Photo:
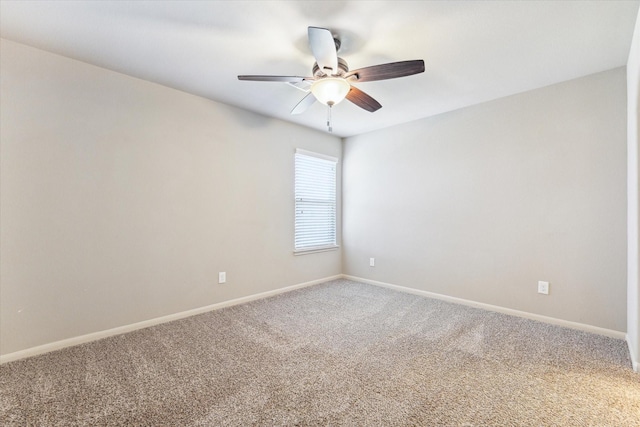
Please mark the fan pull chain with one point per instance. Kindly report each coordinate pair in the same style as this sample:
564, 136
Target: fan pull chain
329, 128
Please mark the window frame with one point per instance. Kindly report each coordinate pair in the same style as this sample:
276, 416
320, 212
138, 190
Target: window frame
301, 250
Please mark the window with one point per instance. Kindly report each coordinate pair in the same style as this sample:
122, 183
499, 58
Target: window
315, 202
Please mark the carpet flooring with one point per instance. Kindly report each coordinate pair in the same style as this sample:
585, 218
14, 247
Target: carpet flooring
339, 353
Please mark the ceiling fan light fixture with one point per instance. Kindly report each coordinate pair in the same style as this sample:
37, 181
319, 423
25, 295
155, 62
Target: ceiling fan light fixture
331, 81
330, 90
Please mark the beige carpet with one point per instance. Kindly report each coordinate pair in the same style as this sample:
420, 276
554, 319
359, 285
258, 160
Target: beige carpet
340, 353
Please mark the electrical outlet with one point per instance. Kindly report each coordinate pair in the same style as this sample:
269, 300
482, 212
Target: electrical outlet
222, 277
372, 262
543, 287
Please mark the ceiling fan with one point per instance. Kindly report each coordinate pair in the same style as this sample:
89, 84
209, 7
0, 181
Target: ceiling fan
332, 80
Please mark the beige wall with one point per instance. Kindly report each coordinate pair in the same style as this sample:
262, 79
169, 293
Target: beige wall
633, 199
121, 200
483, 202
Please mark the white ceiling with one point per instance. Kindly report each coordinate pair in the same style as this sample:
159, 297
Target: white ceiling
474, 51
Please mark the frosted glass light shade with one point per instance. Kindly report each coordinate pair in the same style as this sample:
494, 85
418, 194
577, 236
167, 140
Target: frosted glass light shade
330, 90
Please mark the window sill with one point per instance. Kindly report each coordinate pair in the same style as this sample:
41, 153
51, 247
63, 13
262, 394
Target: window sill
315, 250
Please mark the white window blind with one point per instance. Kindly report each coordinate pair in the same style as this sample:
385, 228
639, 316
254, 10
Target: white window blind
315, 201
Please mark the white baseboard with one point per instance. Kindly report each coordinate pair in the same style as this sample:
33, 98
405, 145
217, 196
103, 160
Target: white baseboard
498, 309
57, 345
634, 356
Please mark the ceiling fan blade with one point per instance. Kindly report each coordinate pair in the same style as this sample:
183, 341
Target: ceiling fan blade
305, 103
387, 71
324, 49
286, 79
363, 100
304, 86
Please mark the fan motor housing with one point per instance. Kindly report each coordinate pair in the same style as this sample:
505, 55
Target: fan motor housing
342, 69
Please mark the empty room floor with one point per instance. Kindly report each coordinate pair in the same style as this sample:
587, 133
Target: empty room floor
338, 353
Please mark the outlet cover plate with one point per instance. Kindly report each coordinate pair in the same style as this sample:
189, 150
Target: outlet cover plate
222, 277
543, 288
